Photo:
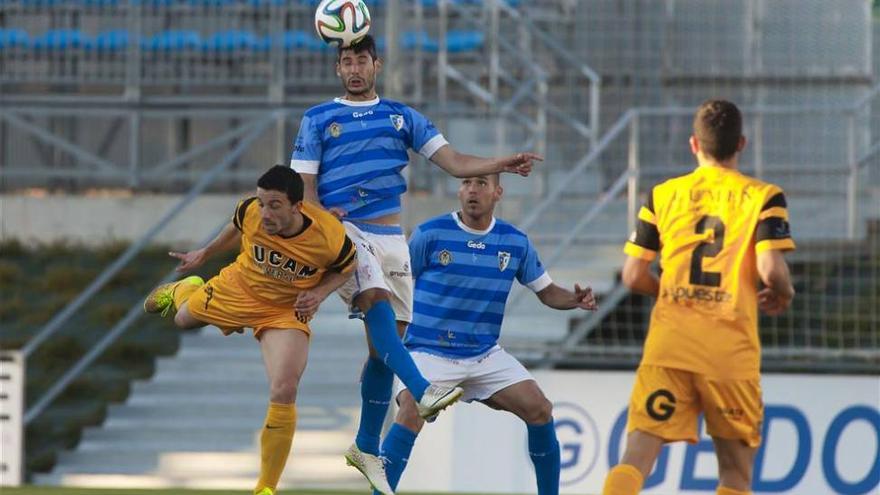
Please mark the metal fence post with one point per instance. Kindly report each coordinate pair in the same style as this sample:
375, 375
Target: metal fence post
632, 165
852, 180
12, 379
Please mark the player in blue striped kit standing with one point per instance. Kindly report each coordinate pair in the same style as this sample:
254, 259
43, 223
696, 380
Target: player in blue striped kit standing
350, 152
464, 264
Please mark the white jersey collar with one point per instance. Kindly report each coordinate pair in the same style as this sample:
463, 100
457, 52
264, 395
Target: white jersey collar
350, 103
470, 230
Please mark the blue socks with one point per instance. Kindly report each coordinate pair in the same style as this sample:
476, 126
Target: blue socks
376, 383
544, 451
382, 328
396, 449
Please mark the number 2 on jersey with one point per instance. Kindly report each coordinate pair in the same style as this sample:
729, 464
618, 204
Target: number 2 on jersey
707, 249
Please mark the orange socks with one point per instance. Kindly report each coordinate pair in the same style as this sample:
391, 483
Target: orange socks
723, 490
623, 480
275, 442
182, 291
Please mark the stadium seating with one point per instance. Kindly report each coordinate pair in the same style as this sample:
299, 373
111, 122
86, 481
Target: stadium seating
13, 38
61, 39
111, 41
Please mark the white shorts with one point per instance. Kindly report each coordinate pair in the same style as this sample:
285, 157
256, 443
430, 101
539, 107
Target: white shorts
383, 263
480, 377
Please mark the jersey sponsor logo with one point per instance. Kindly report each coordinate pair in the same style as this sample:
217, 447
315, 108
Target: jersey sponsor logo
359, 115
278, 266
661, 405
396, 121
335, 129
698, 294
476, 245
445, 257
503, 260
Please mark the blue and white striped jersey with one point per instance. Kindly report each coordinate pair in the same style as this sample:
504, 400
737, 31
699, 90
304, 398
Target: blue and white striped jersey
358, 150
462, 279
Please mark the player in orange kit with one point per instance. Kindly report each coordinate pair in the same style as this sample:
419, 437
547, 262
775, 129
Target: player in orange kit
719, 233
293, 255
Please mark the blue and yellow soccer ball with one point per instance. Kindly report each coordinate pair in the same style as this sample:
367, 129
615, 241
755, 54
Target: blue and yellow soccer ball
342, 22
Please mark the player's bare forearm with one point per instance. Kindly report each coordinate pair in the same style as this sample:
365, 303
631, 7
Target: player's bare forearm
228, 239
557, 297
310, 188
462, 165
331, 281
310, 194
774, 273
225, 240
638, 277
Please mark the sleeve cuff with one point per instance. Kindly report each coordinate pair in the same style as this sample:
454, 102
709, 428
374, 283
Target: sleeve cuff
433, 144
780, 244
305, 166
637, 251
540, 283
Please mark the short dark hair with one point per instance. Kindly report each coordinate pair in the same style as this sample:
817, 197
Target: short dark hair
718, 128
365, 44
283, 179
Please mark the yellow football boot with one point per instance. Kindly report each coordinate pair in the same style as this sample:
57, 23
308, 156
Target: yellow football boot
265, 491
161, 299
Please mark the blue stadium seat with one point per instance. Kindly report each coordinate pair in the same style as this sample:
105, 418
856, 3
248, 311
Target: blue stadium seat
230, 41
456, 41
464, 41
61, 39
42, 3
100, 3
13, 38
410, 40
112, 41
297, 40
172, 41
433, 3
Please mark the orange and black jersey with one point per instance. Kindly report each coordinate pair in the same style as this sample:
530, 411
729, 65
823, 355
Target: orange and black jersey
708, 227
275, 269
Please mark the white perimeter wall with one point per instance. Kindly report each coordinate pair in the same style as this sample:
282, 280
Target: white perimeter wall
822, 437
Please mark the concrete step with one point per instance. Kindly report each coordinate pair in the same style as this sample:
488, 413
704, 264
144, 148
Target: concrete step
192, 465
157, 439
210, 482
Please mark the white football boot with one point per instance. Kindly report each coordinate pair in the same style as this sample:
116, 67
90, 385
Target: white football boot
371, 466
436, 399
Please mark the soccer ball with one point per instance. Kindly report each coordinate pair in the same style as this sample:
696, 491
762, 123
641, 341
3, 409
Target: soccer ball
342, 22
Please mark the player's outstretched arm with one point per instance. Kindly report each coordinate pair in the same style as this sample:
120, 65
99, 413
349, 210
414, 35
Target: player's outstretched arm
462, 165
556, 297
227, 239
638, 277
778, 292
310, 193
308, 301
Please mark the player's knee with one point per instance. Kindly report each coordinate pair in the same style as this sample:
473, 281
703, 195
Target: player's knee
185, 321
408, 413
541, 413
366, 299
283, 391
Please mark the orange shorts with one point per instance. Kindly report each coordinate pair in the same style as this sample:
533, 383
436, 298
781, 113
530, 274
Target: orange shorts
666, 402
224, 302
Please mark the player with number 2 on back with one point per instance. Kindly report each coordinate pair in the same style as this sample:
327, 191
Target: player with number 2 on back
719, 233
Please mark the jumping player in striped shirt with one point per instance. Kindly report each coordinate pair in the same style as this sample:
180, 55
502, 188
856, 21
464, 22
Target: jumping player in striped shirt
350, 152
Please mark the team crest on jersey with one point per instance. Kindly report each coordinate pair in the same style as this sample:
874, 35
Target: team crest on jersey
397, 122
445, 257
503, 260
335, 129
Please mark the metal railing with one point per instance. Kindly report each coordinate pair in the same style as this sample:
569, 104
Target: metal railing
58, 321
845, 225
